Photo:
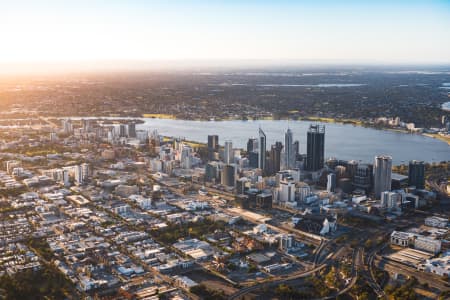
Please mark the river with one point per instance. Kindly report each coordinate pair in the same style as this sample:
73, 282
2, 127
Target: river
342, 141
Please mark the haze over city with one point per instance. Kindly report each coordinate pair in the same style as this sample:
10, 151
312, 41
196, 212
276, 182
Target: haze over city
226, 150
127, 33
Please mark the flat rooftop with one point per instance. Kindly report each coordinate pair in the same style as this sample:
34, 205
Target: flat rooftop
251, 216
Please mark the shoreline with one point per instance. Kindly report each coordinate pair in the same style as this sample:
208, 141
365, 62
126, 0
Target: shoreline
354, 122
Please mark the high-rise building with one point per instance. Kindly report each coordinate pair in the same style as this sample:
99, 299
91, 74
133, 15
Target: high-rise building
304, 191
296, 147
416, 174
86, 125
253, 159
363, 177
228, 175
331, 182
315, 151
228, 154
289, 154
67, 126
286, 241
132, 130
213, 146
391, 200
382, 170
252, 145
286, 191
262, 150
122, 130
211, 171
352, 166
275, 157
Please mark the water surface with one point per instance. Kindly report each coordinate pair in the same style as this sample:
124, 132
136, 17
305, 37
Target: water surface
341, 141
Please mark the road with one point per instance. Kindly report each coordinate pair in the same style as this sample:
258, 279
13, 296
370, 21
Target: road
394, 267
289, 279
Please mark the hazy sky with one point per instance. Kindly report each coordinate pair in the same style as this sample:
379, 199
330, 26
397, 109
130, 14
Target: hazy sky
346, 31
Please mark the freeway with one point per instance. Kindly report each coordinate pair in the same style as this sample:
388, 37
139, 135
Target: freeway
398, 268
275, 282
289, 279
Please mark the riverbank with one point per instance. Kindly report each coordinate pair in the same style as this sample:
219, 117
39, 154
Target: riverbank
438, 137
263, 118
354, 122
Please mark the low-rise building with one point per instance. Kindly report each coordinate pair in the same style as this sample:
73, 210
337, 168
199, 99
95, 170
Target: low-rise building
436, 222
400, 238
427, 244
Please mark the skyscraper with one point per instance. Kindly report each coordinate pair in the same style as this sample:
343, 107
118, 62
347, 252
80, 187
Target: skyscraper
416, 174
289, 154
262, 150
213, 145
252, 145
213, 142
228, 155
315, 151
122, 130
228, 175
331, 182
363, 177
296, 149
382, 170
132, 130
253, 159
275, 157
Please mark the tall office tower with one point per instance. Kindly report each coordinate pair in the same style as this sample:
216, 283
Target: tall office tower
382, 170
78, 174
262, 150
363, 177
286, 191
132, 130
213, 146
289, 155
86, 125
252, 145
228, 154
416, 174
211, 171
352, 166
228, 175
67, 126
275, 157
296, 149
85, 171
122, 130
315, 151
331, 182
253, 159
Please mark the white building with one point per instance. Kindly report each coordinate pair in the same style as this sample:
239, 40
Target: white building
286, 241
287, 191
400, 238
427, 244
304, 192
439, 266
228, 154
436, 222
391, 200
184, 282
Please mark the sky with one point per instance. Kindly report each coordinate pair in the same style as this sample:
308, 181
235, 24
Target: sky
57, 31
